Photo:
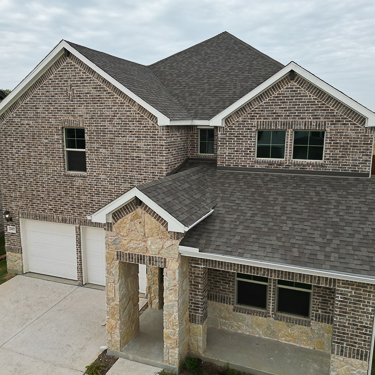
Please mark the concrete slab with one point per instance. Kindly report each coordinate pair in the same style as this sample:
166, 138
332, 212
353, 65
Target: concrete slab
148, 346
261, 356
68, 335
126, 367
18, 364
24, 299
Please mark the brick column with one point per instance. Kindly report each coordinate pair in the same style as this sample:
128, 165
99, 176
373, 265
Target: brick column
198, 287
155, 287
79, 255
352, 328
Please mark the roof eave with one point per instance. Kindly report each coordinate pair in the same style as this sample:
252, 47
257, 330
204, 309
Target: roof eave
195, 253
219, 119
56, 53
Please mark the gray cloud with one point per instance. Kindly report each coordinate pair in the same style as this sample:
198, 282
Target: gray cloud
333, 39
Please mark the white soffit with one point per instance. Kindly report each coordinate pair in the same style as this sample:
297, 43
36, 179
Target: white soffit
219, 119
51, 58
194, 252
105, 214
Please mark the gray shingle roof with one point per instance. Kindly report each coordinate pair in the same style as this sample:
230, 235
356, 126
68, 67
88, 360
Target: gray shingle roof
184, 195
137, 78
197, 83
324, 223
210, 76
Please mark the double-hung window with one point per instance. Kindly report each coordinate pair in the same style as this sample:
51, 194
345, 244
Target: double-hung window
252, 291
271, 144
75, 149
206, 141
294, 298
308, 145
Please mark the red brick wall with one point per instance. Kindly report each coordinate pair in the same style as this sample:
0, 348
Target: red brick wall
297, 105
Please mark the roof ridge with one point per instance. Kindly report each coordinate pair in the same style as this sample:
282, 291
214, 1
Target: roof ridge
186, 49
253, 48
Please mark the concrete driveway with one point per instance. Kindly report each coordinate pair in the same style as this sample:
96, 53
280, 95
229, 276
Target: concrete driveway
48, 327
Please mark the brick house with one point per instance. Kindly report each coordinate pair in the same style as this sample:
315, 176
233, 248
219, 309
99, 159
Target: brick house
241, 184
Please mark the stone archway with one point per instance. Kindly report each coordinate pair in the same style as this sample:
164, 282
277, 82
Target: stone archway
139, 236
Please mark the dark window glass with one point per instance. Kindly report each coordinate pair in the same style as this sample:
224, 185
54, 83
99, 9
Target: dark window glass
75, 145
295, 284
206, 141
252, 294
308, 145
294, 302
271, 144
76, 161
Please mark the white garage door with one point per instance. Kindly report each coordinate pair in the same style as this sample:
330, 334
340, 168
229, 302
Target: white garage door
93, 246
49, 248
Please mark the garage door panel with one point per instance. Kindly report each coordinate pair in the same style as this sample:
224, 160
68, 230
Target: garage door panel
50, 248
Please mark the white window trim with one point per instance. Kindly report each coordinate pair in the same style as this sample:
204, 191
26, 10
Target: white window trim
270, 130
254, 282
73, 149
199, 140
308, 160
294, 288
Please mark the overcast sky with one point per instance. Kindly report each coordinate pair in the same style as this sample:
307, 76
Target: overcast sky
334, 39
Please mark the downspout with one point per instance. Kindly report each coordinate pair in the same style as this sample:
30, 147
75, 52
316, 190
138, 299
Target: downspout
372, 153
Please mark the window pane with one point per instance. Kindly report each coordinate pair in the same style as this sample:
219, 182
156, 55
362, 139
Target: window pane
293, 302
203, 148
70, 133
70, 143
210, 135
260, 278
251, 294
263, 151
300, 152
81, 144
278, 138
315, 153
210, 148
264, 137
203, 135
277, 152
76, 161
80, 133
285, 282
301, 138
317, 138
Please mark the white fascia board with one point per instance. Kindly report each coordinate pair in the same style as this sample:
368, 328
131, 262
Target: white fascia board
105, 214
218, 120
190, 122
52, 57
41, 68
194, 252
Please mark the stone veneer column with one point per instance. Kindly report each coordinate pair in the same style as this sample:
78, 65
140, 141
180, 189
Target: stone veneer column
352, 328
122, 302
155, 287
198, 287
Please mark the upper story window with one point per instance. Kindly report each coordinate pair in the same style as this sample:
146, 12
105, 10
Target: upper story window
308, 145
294, 298
271, 144
252, 291
206, 141
75, 149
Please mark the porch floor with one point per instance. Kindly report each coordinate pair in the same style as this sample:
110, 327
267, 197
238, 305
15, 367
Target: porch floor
148, 346
260, 356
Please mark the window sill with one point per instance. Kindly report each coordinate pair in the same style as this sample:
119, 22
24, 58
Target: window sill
293, 319
269, 161
75, 174
300, 161
250, 311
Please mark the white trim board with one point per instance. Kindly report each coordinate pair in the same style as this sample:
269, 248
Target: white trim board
57, 52
219, 119
194, 253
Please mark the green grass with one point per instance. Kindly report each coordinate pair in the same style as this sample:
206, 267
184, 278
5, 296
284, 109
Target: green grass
2, 244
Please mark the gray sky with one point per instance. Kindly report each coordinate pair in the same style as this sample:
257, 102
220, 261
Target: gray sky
333, 39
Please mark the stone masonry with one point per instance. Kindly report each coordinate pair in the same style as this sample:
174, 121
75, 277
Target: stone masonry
141, 237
